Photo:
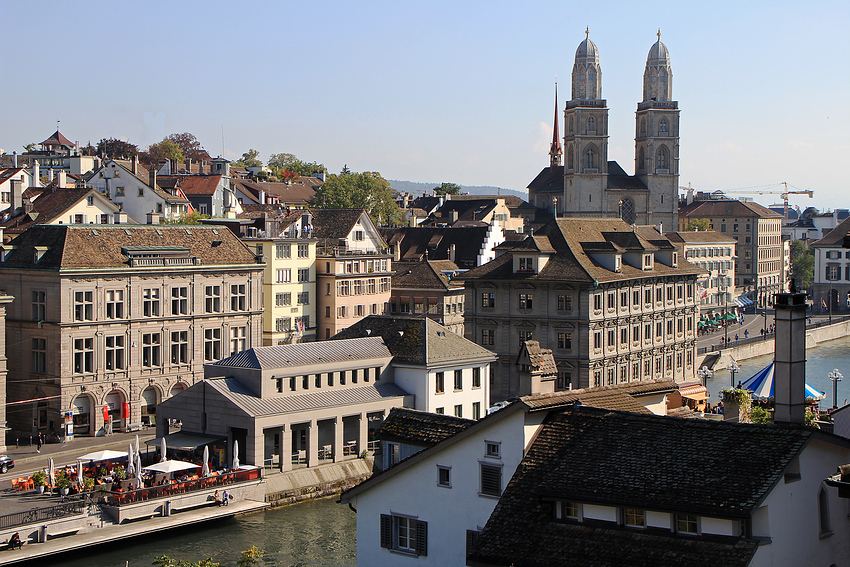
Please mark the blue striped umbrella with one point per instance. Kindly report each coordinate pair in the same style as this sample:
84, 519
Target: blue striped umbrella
761, 385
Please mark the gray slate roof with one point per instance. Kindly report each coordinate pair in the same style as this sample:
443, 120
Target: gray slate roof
414, 427
305, 354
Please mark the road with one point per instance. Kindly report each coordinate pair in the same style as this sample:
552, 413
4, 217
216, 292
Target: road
753, 323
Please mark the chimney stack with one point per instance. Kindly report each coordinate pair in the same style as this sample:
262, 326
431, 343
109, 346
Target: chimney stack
153, 218
36, 173
16, 196
15, 160
119, 217
152, 176
63, 179
789, 378
135, 164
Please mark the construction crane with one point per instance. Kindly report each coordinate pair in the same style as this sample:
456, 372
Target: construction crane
770, 191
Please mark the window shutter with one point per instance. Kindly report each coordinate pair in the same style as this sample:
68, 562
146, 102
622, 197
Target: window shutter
471, 541
386, 531
421, 538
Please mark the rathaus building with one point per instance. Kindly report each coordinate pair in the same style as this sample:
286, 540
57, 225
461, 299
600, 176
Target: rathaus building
587, 184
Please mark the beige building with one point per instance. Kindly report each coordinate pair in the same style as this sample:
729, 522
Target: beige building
353, 269
426, 289
612, 301
760, 266
115, 319
714, 253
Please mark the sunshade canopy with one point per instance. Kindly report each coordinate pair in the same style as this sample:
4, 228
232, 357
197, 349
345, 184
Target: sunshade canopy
184, 441
171, 466
761, 385
105, 455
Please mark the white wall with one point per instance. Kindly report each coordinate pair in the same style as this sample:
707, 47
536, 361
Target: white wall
448, 511
422, 384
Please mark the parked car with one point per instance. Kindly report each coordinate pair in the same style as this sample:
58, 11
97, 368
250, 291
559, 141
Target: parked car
6, 463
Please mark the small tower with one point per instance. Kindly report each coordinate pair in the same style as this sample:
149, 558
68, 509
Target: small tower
555, 152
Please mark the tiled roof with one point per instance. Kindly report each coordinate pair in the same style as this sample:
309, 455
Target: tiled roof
540, 359
834, 237
9, 172
726, 208
254, 406
305, 354
699, 237
417, 340
584, 455
549, 180
467, 211
334, 223
573, 239
57, 139
100, 246
619, 179
416, 242
48, 207
200, 184
414, 427
427, 274
619, 397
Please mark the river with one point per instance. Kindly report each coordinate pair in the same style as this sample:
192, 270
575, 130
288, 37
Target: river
315, 532
820, 361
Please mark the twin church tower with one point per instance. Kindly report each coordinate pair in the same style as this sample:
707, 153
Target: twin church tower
587, 184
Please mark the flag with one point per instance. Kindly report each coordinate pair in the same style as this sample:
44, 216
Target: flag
823, 302
705, 294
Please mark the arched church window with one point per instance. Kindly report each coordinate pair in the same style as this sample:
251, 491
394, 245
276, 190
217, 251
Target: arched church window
641, 160
591, 124
627, 210
661, 161
643, 127
662, 127
570, 160
590, 158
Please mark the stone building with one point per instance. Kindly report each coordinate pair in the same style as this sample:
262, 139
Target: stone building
831, 283
427, 289
613, 302
115, 319
716, 254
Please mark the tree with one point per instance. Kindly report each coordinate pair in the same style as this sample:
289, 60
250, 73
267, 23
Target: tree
366, 190
116, 149
30, 147
249, 159
189, 218
189, 145
447, 189
802, 264
699, 224
164, 150
249, 557
288, 162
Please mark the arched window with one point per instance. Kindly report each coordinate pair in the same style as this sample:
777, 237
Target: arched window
570, 161
627, 210
643, 127
590, 158
823, 512
662, 127
641, 160
662, 159
591, 124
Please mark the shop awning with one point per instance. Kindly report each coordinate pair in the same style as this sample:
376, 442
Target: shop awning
693, 391
184, 441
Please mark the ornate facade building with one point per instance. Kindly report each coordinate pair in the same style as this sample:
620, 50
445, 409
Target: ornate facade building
587, 184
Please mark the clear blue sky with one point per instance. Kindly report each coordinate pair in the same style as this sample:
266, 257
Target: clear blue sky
436, 91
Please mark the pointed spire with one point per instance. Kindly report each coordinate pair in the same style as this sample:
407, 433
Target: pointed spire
555, 151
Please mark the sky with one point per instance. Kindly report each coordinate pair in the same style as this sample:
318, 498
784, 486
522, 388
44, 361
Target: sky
458, 91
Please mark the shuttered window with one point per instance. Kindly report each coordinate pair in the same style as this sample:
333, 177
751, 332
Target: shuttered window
491, 480
404, 534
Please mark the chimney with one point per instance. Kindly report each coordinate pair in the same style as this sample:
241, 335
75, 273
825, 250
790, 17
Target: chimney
172, 167
50, 175
153, 218
135, 165
454, 216
789, 373
119, 217
261, 196
16, 196
452, 250
36, 174
15, 160
152, 176
63, 179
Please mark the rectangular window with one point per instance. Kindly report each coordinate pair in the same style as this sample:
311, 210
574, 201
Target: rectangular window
281, 324
283, 275
493, 449
180, 300
487, 337
565, 302
179, 347
634, 518
278, 300
343, 288
212, 298
404, 534
238, 339
440, 383
303, 250
358, 287
39, 303
476, 377
212, 344
283, 251
687, 524
151, 345
526, 264
238, 297
342, 312
303, 298
476, 410
488, 300
458, 380
83, 306
612, 301
459, 410
370, 286
597, 340
597, 302
565, 341
526, 300
39, 356
567, 511
525, 336
115, 352
303, 275
491, 479
150, 302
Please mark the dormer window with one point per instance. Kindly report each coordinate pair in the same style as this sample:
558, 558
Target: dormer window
647, 261
39, 253
526, 264
618, 264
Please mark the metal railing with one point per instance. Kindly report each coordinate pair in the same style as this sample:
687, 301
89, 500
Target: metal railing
766, 337
39, 515
119, 498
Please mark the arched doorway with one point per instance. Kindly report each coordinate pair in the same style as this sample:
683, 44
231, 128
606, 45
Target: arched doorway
150, 397
177, 388
81, 409
118, 413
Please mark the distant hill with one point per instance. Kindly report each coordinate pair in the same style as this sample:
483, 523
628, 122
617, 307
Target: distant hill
415, 188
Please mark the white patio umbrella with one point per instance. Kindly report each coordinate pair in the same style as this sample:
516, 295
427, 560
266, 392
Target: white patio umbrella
137, 445
205, 471
235, 455
171, 466
138, 483
162, 449
105, 455
80, 472
131, 461
50, 471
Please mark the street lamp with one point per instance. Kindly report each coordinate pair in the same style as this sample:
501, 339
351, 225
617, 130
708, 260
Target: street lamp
705, 374
836, 377
733, 368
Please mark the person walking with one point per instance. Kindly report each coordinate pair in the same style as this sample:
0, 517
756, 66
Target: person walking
746, 333
38, 442
736, 337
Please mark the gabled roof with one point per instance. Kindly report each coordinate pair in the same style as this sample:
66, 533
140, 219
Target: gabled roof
200, 185
469, 210
335, 223
57, 139
428, 274
726, 208
549, 180
619, 179
51, 205
834, 237
414, 427
540, 359
299, 192
417, 341
581, 454
699, 237
622, 397
104, 246
6, 174
417, 242
306, 354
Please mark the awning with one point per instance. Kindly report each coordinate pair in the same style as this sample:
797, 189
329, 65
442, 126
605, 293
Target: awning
184, 441
743, 301
694, 391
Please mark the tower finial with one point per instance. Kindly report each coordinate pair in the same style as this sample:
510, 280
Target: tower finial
659, 34
555, 151
587, 32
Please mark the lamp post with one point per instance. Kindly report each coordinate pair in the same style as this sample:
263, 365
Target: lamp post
726, 318
705, 374
836, 377
733, 368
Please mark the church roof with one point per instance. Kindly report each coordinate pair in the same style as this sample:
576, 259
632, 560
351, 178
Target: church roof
658, 53
57, 139
587, 50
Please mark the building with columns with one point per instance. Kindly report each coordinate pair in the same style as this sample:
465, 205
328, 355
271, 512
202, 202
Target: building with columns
587, 184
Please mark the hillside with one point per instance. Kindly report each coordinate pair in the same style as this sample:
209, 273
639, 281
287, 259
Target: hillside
416, 188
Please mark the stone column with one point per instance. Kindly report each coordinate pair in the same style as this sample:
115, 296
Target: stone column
255, 452
338, 439
283, 450
286, 448
312, 444
363, 434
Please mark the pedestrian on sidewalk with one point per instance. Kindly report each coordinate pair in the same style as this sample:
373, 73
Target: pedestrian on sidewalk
38, 442
736, 337
746, 333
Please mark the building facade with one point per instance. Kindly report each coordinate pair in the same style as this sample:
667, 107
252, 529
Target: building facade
426, 289
611, 300
714, 253
114, 319
831, 283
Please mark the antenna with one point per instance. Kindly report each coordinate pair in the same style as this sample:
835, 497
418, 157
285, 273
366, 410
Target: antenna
222, 141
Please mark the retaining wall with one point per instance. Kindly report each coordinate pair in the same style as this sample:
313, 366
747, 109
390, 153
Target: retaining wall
315, 482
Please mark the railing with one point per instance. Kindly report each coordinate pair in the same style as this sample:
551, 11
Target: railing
769, 336
137, 262
42, 514
119, 498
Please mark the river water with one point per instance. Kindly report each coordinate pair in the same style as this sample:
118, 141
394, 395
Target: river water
315, 532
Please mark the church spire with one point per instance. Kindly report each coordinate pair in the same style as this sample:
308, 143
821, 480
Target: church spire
555, 152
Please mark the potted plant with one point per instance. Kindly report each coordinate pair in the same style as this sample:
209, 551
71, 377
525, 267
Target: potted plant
63, 483
39, 478
88, 484
118, 473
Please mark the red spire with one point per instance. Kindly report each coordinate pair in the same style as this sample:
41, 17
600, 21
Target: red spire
555, 151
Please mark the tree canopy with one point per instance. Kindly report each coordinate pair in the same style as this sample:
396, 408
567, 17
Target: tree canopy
699, 224
282, 163
366, 190
166, 149
802, 264
116, 149
447, 189
189, 145
249, 159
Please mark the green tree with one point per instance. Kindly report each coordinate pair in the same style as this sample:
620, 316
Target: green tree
116, 149
166, 561
190, 218
288, 162
366, 190
699, 224
251, 557
164, 150
30, 147
189, 145
249, 159
447, 189
802, 264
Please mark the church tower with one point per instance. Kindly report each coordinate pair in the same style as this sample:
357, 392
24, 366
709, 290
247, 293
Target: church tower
586, 136
657, 139
555, 151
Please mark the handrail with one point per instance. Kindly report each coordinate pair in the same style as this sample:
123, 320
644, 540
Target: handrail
39, 515
767, 337
115, 498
